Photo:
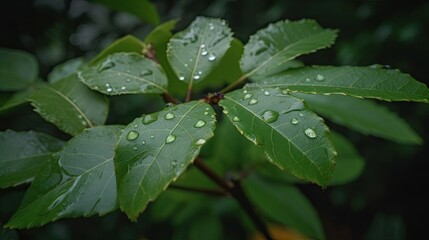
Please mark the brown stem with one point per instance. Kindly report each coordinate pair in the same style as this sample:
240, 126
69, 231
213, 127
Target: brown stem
189, 94
214, 192
235, 189
168, 98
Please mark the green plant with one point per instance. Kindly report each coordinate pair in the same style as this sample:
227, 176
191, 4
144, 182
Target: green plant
103, 167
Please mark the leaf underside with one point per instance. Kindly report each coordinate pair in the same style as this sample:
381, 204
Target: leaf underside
155, 149
293, 137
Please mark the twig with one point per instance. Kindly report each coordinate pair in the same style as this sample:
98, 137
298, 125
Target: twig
235, 189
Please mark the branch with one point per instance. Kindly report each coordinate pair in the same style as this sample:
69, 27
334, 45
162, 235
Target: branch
235, 189
214, 192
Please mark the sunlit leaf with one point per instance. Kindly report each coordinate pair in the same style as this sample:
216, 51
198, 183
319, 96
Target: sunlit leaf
196, 51
18, 69
269, 50
293, 138
155, 149
77, 181
125, 73
23, 154
70, 105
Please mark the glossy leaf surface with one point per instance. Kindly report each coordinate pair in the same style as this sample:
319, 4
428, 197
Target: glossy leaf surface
77, 181
65, 69
194, 52
362, 115
362, 82
269, 50
18, 69
293, 138
284, 204
155, 149
23, 154
128, 43
125, 73
70, 105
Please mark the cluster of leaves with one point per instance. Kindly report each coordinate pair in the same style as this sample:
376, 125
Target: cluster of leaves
105, 167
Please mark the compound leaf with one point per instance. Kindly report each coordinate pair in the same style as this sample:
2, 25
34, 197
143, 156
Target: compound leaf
77, 181
270, 49
155, 149
293, 137
23, 154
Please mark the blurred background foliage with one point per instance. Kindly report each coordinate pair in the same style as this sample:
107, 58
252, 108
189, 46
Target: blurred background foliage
386, 202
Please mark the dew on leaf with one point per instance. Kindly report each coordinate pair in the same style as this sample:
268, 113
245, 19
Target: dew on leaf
310, 133
247, 96
253, 101
148, 119
307, 79
320, 77
294, 121
200, 142
109, 89
169, 116
181, 78
123, 88
143, 142
270, 116
236, 119
206, 113
204, 52
132, 135
301, 114
108, 64
267, 93
128, 80
135, 148
200, 123
225, 111
146, 72
174, 163
211, 57
152, 136
170, 138
196, 76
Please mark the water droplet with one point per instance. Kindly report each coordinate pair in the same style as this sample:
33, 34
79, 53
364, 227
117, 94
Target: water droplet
181, 78
294, 121
225, 111
199, 72
108, 64
247, 96
196, 76
204, 52
174, 163
80, 116
128, 80
169, 116
253, 101
186, 65
170, 138
146, 72
270, 116
245, 91
310, 133
132, 135
320, 77
267, 93
211, 27
202, 46
169, 105
148, 119
83, 123
109, 89
213, 116
285, 92
236, 119
207, 108
123, 88
136, 126
200, 142
301, 114
307, 79
211, 57
152, 136
135, 148
200, 123
206, 113
143, 142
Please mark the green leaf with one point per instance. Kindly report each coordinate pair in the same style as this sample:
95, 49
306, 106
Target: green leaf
142, 9
77, 181
65, 69
269, 50
349, 164
362, 115
125, 73
128, 43
161, 34
284, 204
20, 98
293, 138
70, 105
362, 82
18, 69
23, 155
155, 149
196, 51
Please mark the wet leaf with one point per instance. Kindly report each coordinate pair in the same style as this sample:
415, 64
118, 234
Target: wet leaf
77, 181
125, 73
23, 154
293, 137
156, 149
65, 69
128, 44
